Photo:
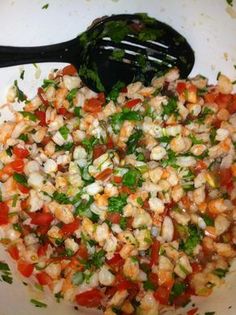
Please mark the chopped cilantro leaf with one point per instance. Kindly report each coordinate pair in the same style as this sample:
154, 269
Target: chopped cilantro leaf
148, 285
72, 94
195, 140
133, 178
89, 143
24, 137
4, 266
116, 30
92, 75
194, 237
97, 259
47, 83
29, 115
38, 303
65, 147
45, 6
133, 141
19, 94
177, 289
77, 111
20, 178
115, 91
22, 73
64, 131
208, 220
123, 223
58, 297
118, 54
171, 107
221, 273
61, 198
170, 160
126, 114
116, 204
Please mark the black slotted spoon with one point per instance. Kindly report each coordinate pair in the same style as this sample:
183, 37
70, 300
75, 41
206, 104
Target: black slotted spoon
120, 48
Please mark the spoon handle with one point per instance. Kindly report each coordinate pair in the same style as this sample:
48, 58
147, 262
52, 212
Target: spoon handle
63, 52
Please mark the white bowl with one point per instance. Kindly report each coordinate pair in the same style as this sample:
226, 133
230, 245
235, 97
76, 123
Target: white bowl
210, 28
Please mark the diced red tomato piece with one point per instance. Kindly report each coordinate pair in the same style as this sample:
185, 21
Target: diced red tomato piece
110, 144
91, 298
4, 210
125, 190
93, 105
193, 311
42, 96
182, 299
43, 219
42, 250
153, 278
114, 218
104, 174
196, 267
223, 100
24, 204
25, 268
41, 115
226, 177
210, 97
23, 189
232, 105
70, 228
132, 103
154, 253
162, 294
20, 153
14, 252
14, 166
181, 87
82, 252
43, 278
116, 261
117, 179
62, 111
69, 70
98, 150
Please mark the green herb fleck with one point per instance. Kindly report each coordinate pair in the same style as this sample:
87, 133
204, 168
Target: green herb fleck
208, 220
20, 178
64, 131
194, 237
19, 94
72, 94
45, 6
28, 115
89, 143
123, 223
116, 204
210, 313
77, 278
118, 54
38, 303
133, 141
177, 289
24, 137
22, 73
230, 2
58, 297
61, 198
148, 285
93, 76
113, 95
221, 273
65, 147
171, 108
133, 178
116, 30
